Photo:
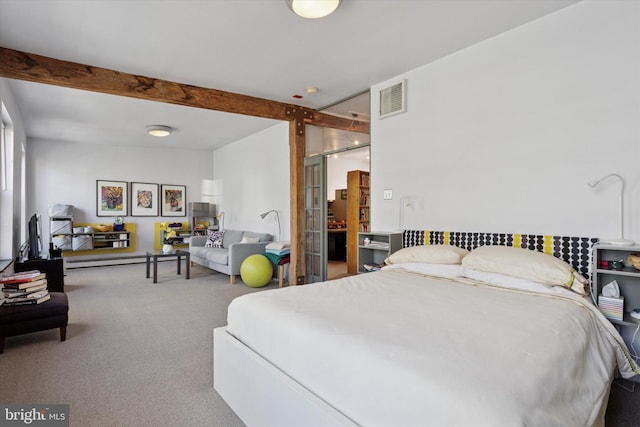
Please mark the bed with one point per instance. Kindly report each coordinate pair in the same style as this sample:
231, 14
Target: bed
456, 330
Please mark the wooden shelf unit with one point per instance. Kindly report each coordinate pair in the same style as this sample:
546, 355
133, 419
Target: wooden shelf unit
358, 214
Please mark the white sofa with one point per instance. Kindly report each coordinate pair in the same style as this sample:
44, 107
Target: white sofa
229, 257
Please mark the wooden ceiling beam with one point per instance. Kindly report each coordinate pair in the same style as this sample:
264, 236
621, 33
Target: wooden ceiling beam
335, 122
19, 65
41, 69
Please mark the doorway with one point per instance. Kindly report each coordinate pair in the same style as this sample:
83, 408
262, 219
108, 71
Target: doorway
341, 151
328, 213
338, 166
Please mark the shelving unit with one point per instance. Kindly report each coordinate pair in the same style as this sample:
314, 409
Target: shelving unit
199, 211
99, 241
111, 239
183, 234
380, 246
628, 277
358, 214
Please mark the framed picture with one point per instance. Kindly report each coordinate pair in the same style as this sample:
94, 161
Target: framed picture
174, 198
145, 199
111, 198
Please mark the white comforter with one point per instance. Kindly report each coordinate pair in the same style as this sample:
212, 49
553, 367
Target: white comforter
394, 348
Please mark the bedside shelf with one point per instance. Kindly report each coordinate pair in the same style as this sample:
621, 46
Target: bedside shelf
382, 244
628, 278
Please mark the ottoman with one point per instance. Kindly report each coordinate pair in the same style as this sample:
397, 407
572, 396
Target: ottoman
24, 319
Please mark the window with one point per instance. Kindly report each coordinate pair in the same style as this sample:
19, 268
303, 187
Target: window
8, 242
3, 157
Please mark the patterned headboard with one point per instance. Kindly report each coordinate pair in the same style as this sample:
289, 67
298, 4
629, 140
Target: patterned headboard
576, 251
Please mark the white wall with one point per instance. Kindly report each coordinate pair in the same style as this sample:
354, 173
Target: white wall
503, 136
63, 172
251, 176
337, 169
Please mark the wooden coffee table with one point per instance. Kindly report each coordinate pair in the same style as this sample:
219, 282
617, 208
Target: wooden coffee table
179, 253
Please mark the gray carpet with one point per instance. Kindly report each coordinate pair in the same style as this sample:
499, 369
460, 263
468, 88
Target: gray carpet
137, 353
140, 354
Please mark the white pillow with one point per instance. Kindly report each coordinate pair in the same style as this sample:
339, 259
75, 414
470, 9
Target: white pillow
429, 254
505, 281
250, 239
526, 264
439, 270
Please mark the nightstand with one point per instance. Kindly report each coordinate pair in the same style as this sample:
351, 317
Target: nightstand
628, 277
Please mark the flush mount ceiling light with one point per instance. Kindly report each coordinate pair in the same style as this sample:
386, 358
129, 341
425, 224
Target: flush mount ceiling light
313, 8
158, 130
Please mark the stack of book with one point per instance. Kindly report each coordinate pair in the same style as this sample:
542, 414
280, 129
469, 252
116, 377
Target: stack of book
27, 287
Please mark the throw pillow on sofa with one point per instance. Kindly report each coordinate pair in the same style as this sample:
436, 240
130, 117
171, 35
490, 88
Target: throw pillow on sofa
214, 239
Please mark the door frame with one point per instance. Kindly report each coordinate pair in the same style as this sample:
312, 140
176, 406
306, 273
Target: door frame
316, 216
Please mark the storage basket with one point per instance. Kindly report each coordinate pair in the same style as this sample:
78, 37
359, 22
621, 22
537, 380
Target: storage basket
60, 227
62, 242
81, 243
60, 210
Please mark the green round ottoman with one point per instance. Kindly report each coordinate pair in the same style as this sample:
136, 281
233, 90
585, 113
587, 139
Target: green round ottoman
256, 271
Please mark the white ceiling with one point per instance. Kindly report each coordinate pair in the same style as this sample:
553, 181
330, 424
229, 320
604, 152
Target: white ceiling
253, 47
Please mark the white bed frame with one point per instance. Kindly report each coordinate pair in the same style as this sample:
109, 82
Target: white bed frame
261, 394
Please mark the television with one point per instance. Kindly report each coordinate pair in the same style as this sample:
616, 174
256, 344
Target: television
35, 245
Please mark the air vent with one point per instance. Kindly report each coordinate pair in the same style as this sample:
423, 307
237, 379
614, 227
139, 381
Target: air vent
392, 99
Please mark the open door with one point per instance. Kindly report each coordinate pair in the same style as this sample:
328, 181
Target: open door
315, 218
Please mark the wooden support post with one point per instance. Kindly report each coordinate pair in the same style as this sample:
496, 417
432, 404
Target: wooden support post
296, 168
